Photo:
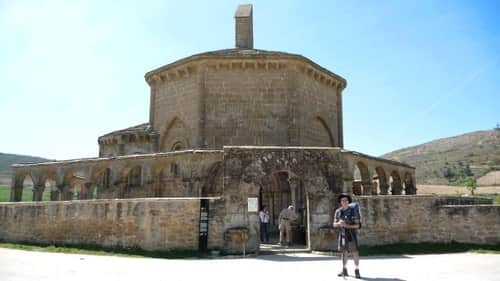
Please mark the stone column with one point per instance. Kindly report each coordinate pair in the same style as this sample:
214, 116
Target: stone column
54, 195
293, 183
13, 185
340, 121
396, 188
384, 188
348, 184
16, 193
38, 192
85, 191
367, 188
148, 180
374, 188
66, 193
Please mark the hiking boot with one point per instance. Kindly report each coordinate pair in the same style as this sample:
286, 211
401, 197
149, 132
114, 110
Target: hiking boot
343, 272
356, 272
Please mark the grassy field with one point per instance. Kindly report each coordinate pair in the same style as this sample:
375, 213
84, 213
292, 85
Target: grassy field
105, 251
455, 190
488, 191
427, 248
27, 194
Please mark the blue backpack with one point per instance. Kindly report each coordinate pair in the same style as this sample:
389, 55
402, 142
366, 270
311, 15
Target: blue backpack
357, 211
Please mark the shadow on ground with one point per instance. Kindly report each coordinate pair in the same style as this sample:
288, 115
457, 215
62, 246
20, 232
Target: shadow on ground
379, 279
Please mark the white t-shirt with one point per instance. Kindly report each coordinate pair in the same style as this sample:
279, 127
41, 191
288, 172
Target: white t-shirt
264, 216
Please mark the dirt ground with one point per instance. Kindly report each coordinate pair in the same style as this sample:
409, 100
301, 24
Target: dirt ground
455, 190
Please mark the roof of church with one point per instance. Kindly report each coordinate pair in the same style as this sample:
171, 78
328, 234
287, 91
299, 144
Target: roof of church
141, 128
242, 53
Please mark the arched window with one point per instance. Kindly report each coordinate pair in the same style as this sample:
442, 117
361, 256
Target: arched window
134, 177
174, 170
177, 146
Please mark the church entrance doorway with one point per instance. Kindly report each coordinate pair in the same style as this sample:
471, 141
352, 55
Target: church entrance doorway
278, 191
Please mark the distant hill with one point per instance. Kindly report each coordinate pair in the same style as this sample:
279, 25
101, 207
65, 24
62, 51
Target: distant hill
450, 160
6, 160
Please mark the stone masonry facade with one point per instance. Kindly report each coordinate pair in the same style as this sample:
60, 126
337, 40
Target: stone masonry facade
172, 224
307, 177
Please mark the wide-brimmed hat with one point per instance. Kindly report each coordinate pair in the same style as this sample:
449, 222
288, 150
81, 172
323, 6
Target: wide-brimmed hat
344, 195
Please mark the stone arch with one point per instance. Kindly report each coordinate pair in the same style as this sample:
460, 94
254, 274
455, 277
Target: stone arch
178, 146
362, 183
175, 136
320, 133
279, 189
21, 182
101, 179
333, 178
169, 180
409, 185
75, 184
46, 187
213, 184
395, 181
383, 185
247, 173
49, 190
133, 176
131, 179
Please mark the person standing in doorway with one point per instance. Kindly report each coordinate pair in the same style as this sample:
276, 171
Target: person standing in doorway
286, 217
264, 224
347, 220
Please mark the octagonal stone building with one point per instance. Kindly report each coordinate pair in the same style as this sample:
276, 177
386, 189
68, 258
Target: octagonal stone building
240, 96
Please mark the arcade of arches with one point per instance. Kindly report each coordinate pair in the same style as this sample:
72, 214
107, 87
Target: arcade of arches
169, 175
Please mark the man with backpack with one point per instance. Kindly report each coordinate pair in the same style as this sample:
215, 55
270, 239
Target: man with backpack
347, 218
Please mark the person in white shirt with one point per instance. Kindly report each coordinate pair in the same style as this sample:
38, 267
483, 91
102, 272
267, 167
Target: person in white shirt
264, 224
287, 215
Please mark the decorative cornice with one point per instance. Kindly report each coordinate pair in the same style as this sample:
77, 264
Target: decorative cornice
321, 76
177, 72
243, 59
172, 74
136, 137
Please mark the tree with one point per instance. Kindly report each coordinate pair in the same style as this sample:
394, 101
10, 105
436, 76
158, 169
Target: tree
471, 184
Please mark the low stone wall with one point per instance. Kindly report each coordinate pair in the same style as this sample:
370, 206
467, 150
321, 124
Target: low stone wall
151, 224
413, 219
173, 223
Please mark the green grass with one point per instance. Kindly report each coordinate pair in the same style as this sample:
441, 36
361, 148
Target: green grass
427, 248
27, 194
392, 249
497, 198
105, 251
4, 193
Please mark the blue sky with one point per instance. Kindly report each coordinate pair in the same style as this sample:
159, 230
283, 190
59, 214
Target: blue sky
71, 71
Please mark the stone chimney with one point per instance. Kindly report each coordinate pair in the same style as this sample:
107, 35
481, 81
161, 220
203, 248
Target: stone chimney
244, 27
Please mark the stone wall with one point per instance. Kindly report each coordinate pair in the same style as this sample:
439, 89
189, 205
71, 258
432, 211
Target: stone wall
173, 223
250, 111
245, 97
318, 111
175, 110
413, 219
119, 149
151, 224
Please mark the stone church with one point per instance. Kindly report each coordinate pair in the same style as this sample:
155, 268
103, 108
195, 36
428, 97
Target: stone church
228, 131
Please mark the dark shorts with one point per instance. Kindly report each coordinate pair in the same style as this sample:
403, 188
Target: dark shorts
349, 246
